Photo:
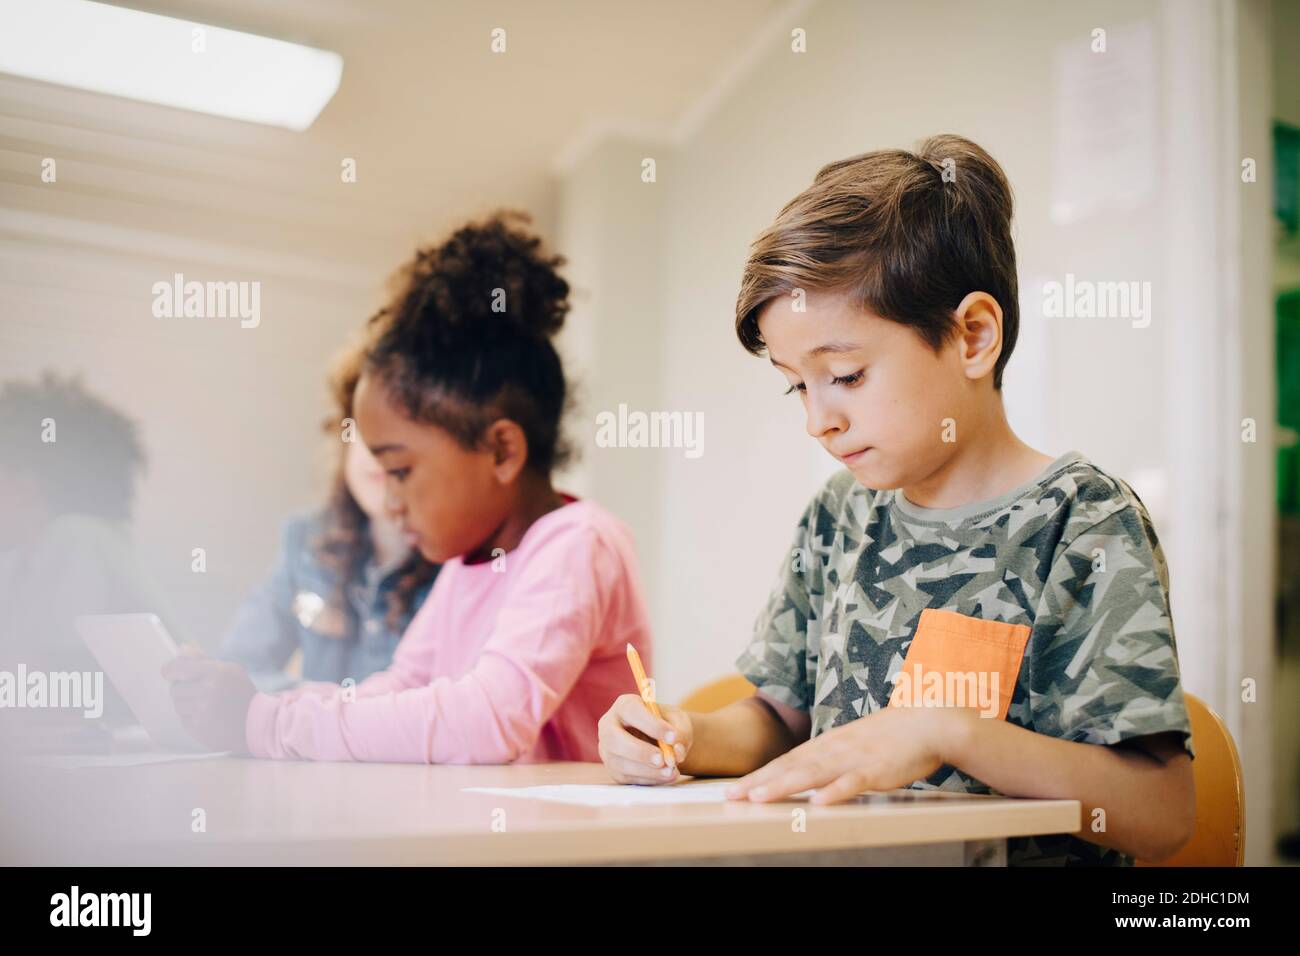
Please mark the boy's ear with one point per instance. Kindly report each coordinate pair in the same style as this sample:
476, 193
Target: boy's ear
979, 321
509, 447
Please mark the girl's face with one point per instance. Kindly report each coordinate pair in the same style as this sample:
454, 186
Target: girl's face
449, 500
876, 396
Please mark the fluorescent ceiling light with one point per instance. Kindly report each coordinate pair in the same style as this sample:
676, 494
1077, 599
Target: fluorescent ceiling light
143, 56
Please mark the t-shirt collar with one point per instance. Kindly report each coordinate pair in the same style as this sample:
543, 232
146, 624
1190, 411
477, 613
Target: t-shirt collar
978, 508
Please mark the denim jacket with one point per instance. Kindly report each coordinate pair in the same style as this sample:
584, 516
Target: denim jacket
297, 607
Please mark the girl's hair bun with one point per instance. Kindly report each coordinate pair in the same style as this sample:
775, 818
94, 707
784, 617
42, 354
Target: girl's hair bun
487, 280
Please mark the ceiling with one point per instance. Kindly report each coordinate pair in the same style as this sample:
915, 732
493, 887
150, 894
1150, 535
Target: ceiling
440, 126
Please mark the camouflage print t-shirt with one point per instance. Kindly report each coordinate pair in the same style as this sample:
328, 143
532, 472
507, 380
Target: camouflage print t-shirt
1072, 555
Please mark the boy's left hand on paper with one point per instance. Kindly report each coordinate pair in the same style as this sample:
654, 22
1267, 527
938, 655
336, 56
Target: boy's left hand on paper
888, 749
211, 697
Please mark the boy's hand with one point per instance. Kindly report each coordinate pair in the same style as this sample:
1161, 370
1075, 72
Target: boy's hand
627, 735
883, 751
211, 698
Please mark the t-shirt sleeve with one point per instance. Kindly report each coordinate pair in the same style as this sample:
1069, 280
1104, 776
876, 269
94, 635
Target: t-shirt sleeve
776, 659
1103, 667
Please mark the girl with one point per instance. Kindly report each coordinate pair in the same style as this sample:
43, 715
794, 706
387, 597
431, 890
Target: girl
521, 645
347, 583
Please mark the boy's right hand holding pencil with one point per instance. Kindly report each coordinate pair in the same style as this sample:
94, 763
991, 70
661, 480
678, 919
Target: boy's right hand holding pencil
627, 736
640, 740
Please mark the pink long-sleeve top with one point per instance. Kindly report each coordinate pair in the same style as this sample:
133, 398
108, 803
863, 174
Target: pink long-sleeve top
508, 660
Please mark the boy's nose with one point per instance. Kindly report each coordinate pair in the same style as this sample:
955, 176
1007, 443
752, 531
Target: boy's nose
822, 418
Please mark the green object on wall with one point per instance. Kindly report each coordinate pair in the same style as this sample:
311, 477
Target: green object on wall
1286, 176
1288, 400
1288, 359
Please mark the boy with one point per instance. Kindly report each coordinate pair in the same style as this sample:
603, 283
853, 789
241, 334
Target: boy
958, 611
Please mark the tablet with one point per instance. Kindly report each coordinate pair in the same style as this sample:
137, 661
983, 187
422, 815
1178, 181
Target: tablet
132, 649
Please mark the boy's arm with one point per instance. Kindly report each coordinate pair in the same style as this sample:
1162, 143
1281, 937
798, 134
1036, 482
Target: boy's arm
1142, 786
741, 737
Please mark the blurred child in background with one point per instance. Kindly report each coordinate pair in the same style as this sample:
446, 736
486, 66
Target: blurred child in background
346, 583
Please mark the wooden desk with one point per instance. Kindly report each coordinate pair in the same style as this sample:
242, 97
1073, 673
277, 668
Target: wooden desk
278, 812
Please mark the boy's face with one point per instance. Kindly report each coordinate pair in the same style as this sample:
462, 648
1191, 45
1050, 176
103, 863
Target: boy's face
875, 394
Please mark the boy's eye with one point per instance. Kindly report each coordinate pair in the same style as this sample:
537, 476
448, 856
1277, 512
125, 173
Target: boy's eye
399, 473
836, 380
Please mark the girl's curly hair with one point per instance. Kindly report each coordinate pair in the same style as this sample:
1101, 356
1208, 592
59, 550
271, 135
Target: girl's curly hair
466, 339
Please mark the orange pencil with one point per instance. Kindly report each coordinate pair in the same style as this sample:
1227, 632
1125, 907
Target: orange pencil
647, 691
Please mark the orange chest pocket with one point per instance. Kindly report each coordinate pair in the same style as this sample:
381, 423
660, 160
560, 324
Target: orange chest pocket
960, 661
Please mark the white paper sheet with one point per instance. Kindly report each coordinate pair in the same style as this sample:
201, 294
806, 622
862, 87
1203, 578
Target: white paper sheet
619, 795
86, 761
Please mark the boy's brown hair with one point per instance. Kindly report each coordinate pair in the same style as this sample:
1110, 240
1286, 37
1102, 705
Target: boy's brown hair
906, 235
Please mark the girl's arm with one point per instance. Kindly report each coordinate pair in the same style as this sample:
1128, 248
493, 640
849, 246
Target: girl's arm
541, 641
408, 668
